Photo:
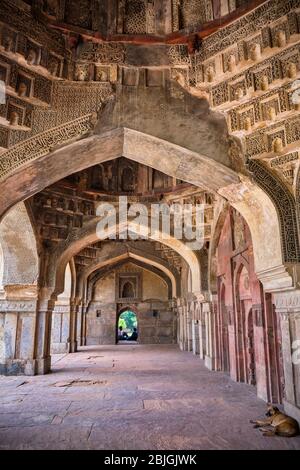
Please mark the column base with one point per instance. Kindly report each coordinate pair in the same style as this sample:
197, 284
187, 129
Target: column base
59, 348
210, 363
18, 367
292, 410
43, 366
73, 346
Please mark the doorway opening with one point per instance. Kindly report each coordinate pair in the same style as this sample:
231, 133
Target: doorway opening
127, 326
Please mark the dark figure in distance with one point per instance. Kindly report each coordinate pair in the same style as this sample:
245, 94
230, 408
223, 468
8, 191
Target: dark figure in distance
134, 335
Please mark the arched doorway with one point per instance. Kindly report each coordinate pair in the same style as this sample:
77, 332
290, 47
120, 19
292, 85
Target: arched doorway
127, 326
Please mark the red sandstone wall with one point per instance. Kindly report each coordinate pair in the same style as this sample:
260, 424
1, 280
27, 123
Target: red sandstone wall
245, 327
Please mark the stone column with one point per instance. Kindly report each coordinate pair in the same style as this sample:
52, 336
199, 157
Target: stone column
196, 345
287, 305
17, 330
79, 328
60, 328
183, 323
201, 345
194, 336
189, 326
45, 307
209, 311
83, 325
195, 309
73, 325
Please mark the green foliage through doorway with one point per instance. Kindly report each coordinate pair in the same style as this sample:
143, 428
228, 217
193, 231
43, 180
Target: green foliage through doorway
128, 321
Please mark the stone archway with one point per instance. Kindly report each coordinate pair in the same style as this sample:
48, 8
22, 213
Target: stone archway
88, 235
173, 160
139, 257
100, 270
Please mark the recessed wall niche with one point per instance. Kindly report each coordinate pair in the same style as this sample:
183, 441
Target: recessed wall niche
128, 287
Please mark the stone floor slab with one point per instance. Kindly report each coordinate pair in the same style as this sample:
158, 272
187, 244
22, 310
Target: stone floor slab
131, 397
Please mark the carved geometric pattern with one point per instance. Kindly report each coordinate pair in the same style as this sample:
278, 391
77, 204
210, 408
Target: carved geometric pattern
281, 25
260, 141
256, 39
150, 17
194, 12
246, 26
178, 55
36, 30
282, 160
274, 134
135, 17
42, 144
298, 198
286, 208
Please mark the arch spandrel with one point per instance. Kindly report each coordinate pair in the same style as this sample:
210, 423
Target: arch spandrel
20, 262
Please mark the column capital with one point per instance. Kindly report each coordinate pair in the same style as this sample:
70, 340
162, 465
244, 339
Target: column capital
197, 296
46, 294
20, 291
277, 278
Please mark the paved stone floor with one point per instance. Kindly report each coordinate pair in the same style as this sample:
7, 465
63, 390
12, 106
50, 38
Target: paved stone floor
131, 397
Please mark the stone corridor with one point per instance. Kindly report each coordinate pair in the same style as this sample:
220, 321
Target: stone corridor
131, 397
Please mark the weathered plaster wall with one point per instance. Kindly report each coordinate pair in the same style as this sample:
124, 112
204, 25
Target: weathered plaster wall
20, 259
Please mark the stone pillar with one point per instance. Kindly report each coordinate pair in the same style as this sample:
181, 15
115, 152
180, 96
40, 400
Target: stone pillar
79, 328
60, 334
176, 306
196, 344
194, 336
182, 328
185, 334
194, 309
287, 305
181, 323
83, 325
17, 330
73, 325
189, 326
201, 345
210, 318
45, 307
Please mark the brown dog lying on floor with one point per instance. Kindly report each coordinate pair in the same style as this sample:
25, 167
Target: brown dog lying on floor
283, 425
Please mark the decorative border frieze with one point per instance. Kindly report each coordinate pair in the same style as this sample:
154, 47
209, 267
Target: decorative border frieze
248, 25
290, 300
42, 144
285, 204
10, 306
